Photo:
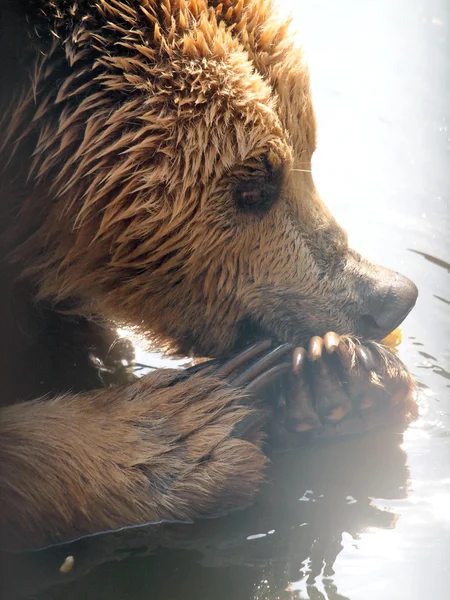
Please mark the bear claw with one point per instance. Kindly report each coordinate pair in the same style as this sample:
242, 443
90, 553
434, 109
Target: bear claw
241, 358
263, 367
298, 360
331, 341
315, 348
365, 357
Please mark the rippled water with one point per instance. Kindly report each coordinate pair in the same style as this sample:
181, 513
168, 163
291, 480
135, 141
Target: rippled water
364, 518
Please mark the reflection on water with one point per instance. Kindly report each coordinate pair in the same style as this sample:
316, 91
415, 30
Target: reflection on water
364, 518
289, 540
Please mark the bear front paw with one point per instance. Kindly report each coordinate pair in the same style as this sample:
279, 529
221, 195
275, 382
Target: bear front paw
342, 385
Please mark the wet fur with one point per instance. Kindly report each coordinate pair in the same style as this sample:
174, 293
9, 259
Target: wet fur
117, 458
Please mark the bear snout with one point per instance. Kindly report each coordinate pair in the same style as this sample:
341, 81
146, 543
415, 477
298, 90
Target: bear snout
391, 299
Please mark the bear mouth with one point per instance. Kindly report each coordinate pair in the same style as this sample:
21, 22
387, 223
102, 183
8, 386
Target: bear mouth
372, 331
250, 331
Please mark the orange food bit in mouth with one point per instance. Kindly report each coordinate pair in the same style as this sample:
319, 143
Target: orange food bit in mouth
394, 339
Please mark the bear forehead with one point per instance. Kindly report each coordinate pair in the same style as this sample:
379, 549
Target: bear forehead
237, 54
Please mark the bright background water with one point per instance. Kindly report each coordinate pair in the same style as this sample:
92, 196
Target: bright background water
357, 519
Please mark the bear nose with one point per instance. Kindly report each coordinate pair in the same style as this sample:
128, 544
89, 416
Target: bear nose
392, 300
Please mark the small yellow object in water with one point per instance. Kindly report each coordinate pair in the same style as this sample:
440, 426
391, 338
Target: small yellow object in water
394, 339
67, 565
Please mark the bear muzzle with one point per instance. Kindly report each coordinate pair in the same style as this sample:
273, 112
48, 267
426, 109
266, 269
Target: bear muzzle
392, 298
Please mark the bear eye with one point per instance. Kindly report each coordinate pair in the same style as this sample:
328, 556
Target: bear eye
248, 195
258, 194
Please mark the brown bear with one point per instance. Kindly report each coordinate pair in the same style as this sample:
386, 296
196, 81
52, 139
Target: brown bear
155, 172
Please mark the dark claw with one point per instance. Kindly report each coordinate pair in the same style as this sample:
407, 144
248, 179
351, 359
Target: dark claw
298, 360
331, 341
237, 361
261, 365
315, 348
365, 356
345, 355
266, 378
